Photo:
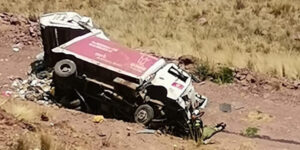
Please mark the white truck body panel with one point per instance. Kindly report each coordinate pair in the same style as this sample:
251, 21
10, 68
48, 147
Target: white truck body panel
70, 20
110, 55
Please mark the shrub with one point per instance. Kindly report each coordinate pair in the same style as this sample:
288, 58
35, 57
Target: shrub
250, 132
203, 70
224, 75
221, 74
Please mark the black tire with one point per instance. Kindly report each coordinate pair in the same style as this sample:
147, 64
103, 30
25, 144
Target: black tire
144, 114
65, 68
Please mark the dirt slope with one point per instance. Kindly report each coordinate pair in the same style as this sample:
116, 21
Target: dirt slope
76, 130
274, 113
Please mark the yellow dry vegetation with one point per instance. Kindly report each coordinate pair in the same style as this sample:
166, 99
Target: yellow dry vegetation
258, 117
263, 35
22, 110
39, 141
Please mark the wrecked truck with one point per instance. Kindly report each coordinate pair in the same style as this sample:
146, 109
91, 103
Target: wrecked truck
92, 73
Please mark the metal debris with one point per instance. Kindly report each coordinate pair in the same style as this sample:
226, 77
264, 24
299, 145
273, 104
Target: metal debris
16, 49
33, 89
7, 93
98, 119
225, 107
146, 131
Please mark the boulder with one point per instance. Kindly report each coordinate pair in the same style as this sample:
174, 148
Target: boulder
14, 21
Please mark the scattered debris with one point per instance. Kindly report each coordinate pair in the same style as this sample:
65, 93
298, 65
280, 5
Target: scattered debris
146, 131
17, 47
98, 119
202, 83
33, 89
7, 93
101, 134
106, 141
44, 117
40, 56
128, 128
225, 107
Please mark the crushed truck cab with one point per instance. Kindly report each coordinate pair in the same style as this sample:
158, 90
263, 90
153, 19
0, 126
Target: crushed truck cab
98, 75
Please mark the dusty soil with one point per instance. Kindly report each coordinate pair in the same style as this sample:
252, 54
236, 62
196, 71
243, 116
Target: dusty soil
76, 130
274, 113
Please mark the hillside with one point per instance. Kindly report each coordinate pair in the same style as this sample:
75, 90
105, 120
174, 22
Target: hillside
261, 35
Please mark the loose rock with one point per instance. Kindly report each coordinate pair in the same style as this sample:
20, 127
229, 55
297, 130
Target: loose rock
14, 21
202, 21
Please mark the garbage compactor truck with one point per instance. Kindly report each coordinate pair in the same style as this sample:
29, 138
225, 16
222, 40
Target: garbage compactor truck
95, 74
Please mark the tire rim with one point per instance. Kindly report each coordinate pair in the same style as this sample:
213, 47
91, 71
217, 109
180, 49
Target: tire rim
65, 68
142, 115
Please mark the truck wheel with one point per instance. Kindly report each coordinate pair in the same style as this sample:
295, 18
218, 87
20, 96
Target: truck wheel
144, 114
65, 68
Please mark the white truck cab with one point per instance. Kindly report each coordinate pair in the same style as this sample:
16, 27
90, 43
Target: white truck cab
179, 87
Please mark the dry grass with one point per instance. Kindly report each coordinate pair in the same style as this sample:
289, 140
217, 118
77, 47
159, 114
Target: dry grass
260, 35
257, 117
39, 140
24, 111
247, 146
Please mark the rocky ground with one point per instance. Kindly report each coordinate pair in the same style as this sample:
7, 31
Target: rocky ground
270, 106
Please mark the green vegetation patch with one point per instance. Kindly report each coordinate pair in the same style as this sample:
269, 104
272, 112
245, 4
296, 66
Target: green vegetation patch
217, 74
250, 132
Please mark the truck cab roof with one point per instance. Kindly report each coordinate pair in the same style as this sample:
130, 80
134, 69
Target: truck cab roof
110, 55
